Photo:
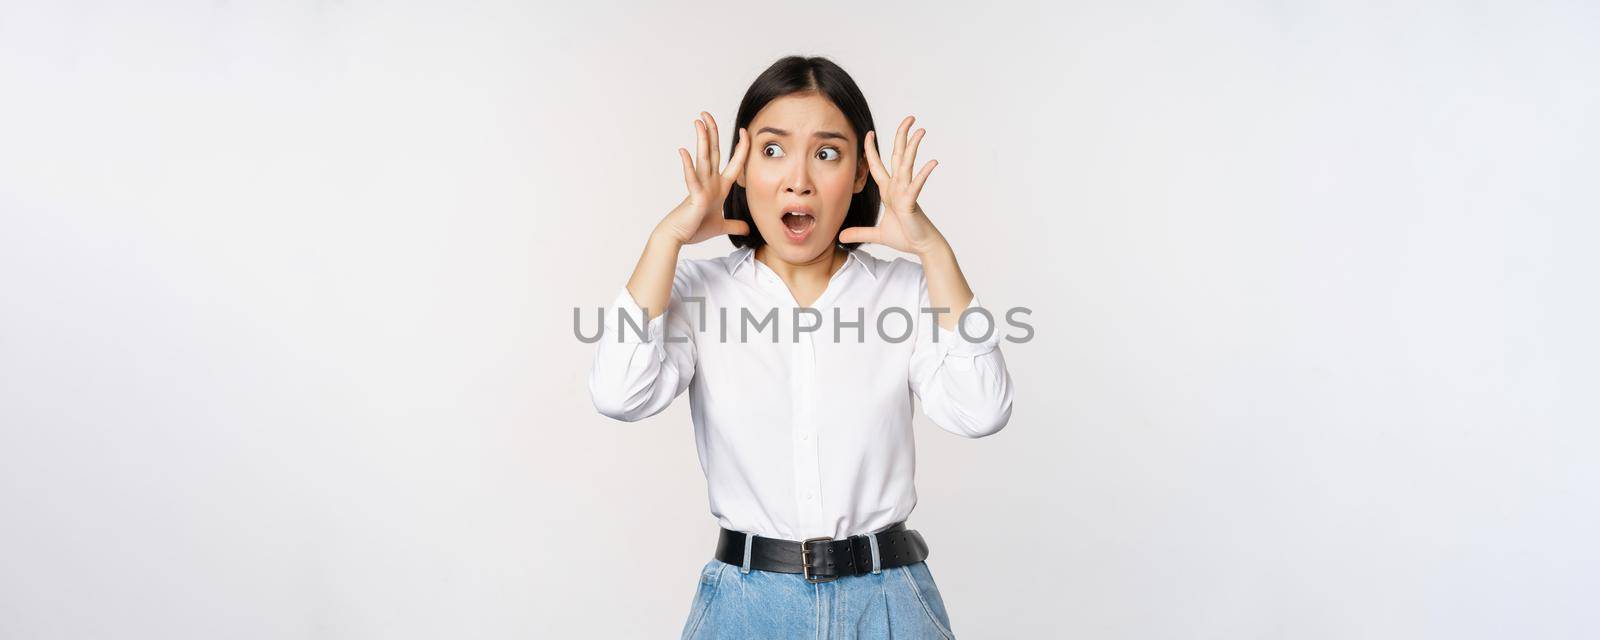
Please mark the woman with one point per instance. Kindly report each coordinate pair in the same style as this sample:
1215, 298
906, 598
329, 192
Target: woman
804, 429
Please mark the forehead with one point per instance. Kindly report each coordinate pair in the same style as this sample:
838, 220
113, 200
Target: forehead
801, 114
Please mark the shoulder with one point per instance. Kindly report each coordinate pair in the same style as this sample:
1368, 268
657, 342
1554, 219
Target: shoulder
694, 273
899, 270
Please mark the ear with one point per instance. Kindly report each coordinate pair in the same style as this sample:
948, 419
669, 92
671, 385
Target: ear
861, 173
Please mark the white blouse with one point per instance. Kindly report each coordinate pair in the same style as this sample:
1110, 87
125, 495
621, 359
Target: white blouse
801, 433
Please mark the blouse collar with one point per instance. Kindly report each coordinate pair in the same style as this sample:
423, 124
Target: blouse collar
747, 255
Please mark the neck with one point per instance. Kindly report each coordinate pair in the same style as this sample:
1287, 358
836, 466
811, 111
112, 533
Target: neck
818, 270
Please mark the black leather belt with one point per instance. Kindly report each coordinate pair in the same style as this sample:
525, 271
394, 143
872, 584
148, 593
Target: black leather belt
825, 559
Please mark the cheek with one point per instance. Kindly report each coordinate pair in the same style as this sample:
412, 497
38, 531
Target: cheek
837, 178
837, 186
759, 184
761, 174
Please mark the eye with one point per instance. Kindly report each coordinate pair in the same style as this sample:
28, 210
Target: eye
772, 150
826, 150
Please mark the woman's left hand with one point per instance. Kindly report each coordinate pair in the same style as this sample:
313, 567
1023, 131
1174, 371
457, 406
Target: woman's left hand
903, 226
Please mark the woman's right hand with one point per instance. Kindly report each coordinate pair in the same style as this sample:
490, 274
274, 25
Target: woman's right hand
699, 216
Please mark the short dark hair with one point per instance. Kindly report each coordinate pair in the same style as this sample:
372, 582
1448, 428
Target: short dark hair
799, 74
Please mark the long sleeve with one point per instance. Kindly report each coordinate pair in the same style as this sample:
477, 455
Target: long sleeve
964, 385
636, 376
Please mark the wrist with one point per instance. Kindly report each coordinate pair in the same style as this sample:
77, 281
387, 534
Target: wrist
936, 251
663, 237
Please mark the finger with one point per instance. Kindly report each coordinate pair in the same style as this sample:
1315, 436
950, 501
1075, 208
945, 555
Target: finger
900, 142
922, 178
701, 154
716, 142
689, 178
860, 234
741, 149
909, 162
875, 163
735, 227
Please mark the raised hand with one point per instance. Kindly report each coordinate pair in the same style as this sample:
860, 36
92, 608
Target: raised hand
699, 216
903, 225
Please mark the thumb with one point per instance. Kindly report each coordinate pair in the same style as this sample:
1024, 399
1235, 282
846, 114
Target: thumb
735, 227
859, 234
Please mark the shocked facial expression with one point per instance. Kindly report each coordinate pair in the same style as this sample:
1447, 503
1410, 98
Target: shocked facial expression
802, 170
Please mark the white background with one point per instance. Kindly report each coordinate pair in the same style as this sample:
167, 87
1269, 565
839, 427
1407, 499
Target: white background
286, 348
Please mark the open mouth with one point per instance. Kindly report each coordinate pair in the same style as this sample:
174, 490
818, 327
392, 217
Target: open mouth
798, 225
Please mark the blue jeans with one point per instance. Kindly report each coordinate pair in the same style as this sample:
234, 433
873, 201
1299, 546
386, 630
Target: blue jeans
898, 603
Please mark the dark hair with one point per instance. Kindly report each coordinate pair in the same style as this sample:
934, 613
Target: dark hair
797, 74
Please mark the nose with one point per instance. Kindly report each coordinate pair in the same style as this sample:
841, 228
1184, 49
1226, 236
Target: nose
799, 180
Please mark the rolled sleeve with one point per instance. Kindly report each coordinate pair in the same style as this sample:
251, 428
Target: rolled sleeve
625, 321
978, 323
641, 365
963, 383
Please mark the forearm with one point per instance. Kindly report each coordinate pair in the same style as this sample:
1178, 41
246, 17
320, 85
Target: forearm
962, 381
651, 283
947, 286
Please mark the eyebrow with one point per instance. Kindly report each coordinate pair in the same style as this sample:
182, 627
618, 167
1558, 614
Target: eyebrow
819, 134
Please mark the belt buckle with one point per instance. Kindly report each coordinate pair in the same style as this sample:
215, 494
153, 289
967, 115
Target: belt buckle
805, 560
